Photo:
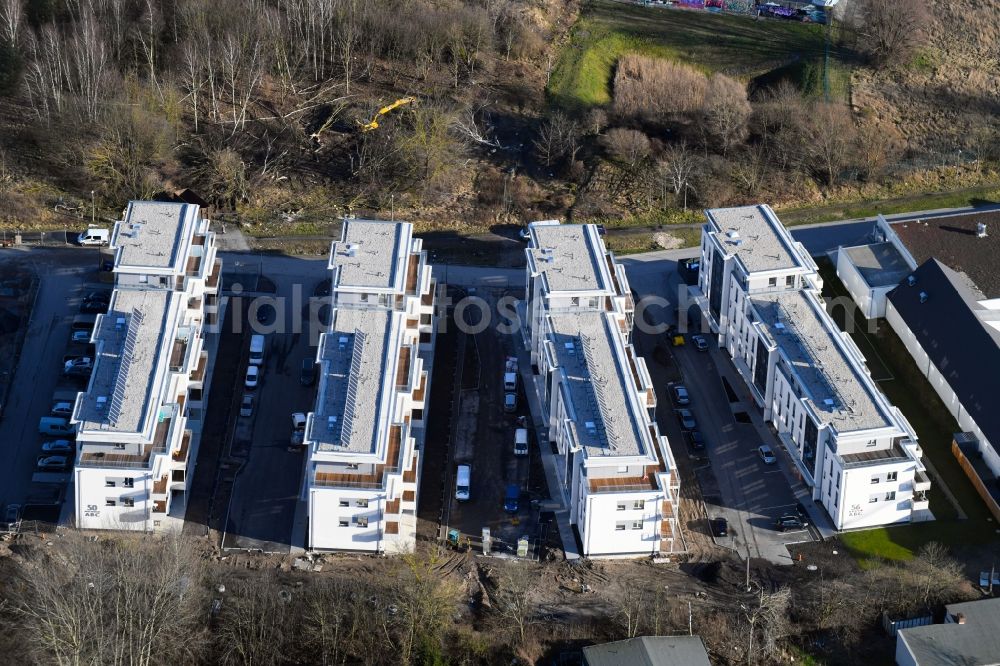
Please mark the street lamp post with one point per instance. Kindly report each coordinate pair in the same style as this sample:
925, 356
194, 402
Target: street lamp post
93, 209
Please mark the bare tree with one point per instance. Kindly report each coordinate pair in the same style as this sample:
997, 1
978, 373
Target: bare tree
253, 625
629, 600
11, 15
515, 602
829, 140
629, 147
726, 111
889, 31
750, 168
425, 604
130, 599
679, 168
879, 142
558, 138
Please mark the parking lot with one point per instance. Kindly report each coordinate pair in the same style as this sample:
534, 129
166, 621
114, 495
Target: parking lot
264, 511
64, 277
484, 439
736, 484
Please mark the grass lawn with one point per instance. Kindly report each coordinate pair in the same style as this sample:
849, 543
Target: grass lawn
914, 396
735, 45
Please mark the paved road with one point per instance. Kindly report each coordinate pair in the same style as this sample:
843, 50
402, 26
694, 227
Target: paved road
265, 499
62, 281
736, 483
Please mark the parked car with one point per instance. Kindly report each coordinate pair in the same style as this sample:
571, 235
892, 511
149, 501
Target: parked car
72, 361
681, 396
700, 343
801, 512
93, 307
720, 527
463, 483
697, 440
94, 236
298, 429
789, 523
521, 442
61, 408
766, 454
687, 419
57, 446
80, 336
52, 462
511, 498
99, 296
55, 425
510, 402
253, 377
524, 233
13, 513
246, 406
307, 377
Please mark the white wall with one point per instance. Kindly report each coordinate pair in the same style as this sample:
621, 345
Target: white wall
856, 510
325, 513
92, 494
600, 535
870, 303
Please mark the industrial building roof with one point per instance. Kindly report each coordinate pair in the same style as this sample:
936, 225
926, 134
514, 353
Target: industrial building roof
649, 651
371, 255
880, 264
131, 341
154, 235
953, 241
358, 357
976, 641
964, 349
609, 417
756, 236
842, 392
571, 257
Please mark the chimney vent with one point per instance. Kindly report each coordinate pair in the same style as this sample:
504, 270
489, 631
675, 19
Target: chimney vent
923, 297
960, 618
981, 230
911, 280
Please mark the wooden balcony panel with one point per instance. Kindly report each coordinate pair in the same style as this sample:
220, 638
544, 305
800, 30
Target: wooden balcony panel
160, 506
428, 298
411, 274
392, 506
392, 527
177, 353
418, 394
403, 370
180, 455
666, 529
409, 495
613, 484
177, 476
199, 240
160, 485
213, 279
198, 374
193, 265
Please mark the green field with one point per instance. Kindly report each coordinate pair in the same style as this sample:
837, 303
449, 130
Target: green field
735, 45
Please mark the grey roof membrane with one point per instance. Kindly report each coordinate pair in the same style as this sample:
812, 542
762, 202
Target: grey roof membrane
607, 422
369, 254
749, 234
880, 264
131, 339
569, 258
152, 234
358, 377
975, 642
842, 394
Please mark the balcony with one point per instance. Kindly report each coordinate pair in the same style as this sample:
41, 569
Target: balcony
213, 279
411, 274
198, 240
921, 482
178, 476
160, 485
177, 355
193, 266
409, 496
403, 369
198, 374
920, 502
666, 529
418, 394
622, 484
117, 459
392, 527
392, 507
160, 506
373, 479
180, 455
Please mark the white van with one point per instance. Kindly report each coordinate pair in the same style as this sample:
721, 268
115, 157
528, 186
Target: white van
462, 479
93, 236
257, 349
521, 442
53, 425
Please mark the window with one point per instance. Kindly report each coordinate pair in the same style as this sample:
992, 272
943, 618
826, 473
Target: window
362, 503
143, 279
772, 282
109, 483
344, 522
156, 523
873, 499
623, 469
361, 521
128, 501
109, 502
345, 502
789, 280
875, 480
620, 526
129, 482
836, 499
352, 466
637, 524
574, 301
871, 443
621, 506
639, 505
891, 476
890, 496
120, 447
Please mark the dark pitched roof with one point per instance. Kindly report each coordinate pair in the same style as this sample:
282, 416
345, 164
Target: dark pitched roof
964, 350
977, 641
649, 651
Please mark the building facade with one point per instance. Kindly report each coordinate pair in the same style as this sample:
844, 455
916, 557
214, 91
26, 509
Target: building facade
364, 435
139, 420
854, 450
597, 396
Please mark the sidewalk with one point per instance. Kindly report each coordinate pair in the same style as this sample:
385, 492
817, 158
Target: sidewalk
532, 391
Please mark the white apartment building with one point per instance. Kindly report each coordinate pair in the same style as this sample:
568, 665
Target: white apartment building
851, 447
365, 433
139, 420
597, 396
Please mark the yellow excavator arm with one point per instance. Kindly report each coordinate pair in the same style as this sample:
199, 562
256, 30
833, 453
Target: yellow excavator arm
373, 124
